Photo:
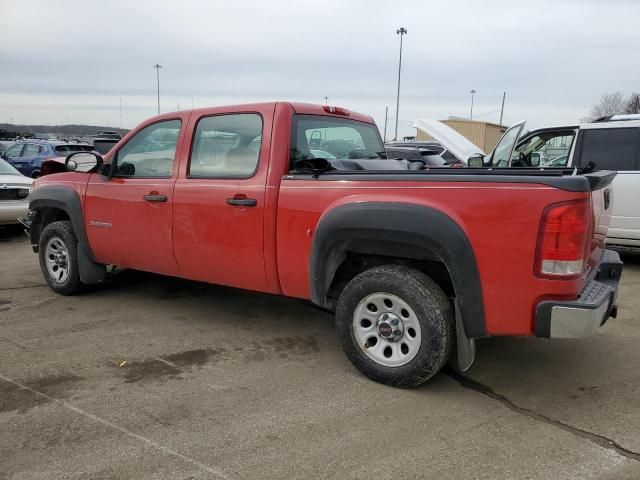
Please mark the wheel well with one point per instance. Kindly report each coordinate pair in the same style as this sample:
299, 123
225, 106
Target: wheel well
355, 263
45, 216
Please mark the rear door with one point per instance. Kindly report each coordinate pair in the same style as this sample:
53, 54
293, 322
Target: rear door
219, 199
128, 217
617, 149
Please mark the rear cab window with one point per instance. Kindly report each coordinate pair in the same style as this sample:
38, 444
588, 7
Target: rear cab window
318, 136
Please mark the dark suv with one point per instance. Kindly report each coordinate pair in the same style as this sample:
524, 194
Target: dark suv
27, 156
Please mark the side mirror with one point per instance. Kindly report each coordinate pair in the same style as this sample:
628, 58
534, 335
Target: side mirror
476, 161
535, 159
84, 162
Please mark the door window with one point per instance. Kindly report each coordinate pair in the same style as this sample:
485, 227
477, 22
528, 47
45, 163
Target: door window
226, 146
14, 151
610, 148
31, 150
551, 148
502, 153
150, 152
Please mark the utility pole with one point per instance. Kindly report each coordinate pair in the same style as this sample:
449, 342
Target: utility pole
504, 94
326, 100
473, 92
120, 113
402, 32
386, 115
157, 66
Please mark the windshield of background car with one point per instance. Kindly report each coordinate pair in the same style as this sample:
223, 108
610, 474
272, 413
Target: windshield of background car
6, 169
502, 152
313, 136
552, 148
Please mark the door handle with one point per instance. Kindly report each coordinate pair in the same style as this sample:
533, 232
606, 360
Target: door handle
245, 202
154, 197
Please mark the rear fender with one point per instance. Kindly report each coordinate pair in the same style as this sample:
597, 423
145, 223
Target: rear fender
410, 231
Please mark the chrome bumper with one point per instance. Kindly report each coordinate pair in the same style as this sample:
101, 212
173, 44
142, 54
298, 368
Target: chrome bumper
582, 317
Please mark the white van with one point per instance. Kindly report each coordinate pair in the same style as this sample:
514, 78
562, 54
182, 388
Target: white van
611, 143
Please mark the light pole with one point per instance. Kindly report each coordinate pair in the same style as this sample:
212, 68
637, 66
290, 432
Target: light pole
326, 100
157, 66
402, 32
473, 92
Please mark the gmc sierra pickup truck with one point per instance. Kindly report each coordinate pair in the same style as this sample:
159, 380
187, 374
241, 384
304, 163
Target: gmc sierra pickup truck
301, 200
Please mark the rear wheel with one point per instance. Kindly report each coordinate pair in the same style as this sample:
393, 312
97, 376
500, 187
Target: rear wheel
58, 253
395, 325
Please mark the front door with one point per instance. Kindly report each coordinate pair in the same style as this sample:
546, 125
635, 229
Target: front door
219, 200
128, 217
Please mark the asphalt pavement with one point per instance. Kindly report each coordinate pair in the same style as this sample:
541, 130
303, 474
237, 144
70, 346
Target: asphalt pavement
149, 377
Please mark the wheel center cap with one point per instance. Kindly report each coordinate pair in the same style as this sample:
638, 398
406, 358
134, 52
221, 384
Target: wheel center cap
390, 327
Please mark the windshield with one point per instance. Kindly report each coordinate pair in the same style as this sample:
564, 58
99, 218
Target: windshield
313, 136
6, 169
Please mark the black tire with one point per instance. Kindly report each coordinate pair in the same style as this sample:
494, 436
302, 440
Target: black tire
433, 311
64, 232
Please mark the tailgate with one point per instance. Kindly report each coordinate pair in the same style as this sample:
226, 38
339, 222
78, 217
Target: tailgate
602, 204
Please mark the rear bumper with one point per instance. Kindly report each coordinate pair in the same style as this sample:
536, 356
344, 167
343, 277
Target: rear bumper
582, 317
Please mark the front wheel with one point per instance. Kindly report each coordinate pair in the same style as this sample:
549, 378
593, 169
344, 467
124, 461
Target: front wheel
395, 325
58, 253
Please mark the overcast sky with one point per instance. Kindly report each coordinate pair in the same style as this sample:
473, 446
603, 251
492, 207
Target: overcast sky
73, 61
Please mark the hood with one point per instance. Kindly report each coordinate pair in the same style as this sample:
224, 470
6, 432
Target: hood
460, 146
15, 180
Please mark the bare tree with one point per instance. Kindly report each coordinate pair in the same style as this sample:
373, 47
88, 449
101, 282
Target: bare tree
610, 104
633, 104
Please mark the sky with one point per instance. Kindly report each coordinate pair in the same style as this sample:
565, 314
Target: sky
69, 61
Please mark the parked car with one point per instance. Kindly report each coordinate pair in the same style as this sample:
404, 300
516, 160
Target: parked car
427, 156
445, 154
14, 194
413, 262
27, 156
4, 145
610, 143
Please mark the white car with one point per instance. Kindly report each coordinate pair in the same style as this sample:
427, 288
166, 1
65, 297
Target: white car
610, 143
14, 194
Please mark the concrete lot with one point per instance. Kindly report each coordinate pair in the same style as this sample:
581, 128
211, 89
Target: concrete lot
221, 383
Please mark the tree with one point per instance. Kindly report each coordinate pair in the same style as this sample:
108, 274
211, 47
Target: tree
610, 104
633, 104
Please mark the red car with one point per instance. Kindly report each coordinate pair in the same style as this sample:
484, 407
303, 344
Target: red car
299, 200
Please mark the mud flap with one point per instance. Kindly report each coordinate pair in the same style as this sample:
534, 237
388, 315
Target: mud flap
465, 346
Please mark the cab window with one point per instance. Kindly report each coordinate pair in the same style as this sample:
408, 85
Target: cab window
150, 152
544, 149
226, 146
317, 136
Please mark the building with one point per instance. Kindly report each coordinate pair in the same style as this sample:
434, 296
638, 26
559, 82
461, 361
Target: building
484, 134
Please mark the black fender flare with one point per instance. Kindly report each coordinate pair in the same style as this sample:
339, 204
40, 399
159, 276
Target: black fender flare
416, 231
67, 199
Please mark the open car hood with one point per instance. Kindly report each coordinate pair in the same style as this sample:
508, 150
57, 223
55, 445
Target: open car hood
460, 146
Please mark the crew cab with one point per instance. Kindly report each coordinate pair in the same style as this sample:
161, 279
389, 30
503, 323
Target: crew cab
300, 200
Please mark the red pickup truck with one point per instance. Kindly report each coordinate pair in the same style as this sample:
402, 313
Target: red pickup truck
300, 200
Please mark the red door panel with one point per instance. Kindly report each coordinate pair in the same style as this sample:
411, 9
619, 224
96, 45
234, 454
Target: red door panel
219, 222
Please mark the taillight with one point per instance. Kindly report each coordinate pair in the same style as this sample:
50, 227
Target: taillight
563, 239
